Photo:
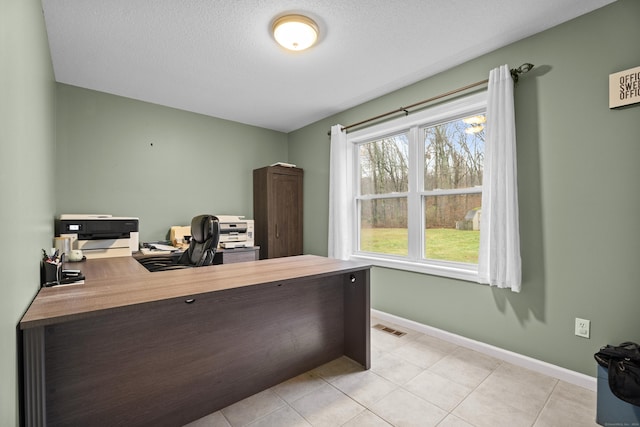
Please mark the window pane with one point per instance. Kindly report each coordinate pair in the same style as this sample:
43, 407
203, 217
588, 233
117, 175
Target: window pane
384, 165
453, 227
383, 226
454, 154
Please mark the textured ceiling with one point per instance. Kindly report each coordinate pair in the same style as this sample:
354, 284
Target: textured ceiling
217, 57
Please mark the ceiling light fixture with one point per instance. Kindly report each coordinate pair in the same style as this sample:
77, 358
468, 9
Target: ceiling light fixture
473, 129
295, 32
475, 120
476, 123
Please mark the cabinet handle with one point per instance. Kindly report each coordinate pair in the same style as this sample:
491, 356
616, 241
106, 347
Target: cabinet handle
190, 300
352, 277
277, 233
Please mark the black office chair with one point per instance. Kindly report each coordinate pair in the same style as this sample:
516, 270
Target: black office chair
205, 234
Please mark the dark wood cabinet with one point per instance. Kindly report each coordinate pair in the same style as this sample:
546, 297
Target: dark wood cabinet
277, 211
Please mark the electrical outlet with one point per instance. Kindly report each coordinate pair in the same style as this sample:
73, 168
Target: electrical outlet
583, 327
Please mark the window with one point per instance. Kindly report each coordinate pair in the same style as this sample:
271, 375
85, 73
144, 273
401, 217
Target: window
417, 190
451, 193
384, 188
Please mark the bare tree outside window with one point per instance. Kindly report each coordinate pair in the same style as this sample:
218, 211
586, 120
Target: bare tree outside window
454, 155
384, 165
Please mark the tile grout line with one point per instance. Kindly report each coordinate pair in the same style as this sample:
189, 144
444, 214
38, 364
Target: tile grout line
471, 392
546, 402
304, 395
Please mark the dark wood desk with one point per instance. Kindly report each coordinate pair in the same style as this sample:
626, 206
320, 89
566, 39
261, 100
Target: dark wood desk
130, 347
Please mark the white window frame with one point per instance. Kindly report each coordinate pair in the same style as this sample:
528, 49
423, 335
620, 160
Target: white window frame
413, 123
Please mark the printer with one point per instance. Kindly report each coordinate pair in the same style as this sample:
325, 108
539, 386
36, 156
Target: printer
100, 236
235, 232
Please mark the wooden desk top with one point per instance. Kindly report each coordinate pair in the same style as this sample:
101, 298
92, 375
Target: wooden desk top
113, 283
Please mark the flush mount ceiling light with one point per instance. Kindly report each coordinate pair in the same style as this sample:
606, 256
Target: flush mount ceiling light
295, 32
476, 123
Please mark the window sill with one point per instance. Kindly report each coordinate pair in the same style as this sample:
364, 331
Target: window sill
444, 270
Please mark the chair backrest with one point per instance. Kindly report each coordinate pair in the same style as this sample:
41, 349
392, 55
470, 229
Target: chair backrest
205, 234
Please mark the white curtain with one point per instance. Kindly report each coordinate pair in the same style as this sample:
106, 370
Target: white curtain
339, 203
499, 261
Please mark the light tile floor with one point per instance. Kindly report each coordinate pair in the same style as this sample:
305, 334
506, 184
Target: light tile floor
414, 380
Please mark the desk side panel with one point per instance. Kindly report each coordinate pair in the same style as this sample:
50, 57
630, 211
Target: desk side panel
357, 317
171, 362
33, 378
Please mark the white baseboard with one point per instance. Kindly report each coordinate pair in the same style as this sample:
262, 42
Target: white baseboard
527, 362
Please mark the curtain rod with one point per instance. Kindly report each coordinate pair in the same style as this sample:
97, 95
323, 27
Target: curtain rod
515, 73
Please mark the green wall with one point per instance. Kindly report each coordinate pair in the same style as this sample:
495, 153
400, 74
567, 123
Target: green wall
578, 189
27, 203
125, 157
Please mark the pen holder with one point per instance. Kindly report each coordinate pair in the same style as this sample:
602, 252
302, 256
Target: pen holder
50, 274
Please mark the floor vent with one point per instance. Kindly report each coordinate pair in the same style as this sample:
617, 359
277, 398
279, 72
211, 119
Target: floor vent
389, 330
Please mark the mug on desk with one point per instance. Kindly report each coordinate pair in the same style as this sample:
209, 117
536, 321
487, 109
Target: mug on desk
75, 255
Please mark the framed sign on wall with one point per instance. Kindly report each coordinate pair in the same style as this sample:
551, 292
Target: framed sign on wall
624, 88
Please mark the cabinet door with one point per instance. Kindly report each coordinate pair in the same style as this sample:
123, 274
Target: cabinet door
287, 215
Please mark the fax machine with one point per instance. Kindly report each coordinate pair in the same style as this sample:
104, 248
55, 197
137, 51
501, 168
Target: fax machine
100, 236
